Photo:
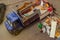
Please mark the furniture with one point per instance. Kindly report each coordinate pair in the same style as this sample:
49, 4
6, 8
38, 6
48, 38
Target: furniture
52, 25
28, 15
44, 13
29, 19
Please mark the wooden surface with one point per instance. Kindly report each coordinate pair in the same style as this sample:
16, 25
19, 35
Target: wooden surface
43, 13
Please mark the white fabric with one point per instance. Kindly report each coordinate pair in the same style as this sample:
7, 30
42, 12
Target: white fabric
42, 3
53, 28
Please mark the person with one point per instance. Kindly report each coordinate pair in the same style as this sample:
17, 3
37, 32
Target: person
50, 10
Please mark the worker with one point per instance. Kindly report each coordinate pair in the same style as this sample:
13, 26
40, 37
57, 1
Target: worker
50, 10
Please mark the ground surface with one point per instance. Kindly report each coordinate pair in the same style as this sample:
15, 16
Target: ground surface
30, 33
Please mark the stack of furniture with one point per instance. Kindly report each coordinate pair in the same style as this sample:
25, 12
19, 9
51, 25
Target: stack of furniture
27, 13
24, 16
